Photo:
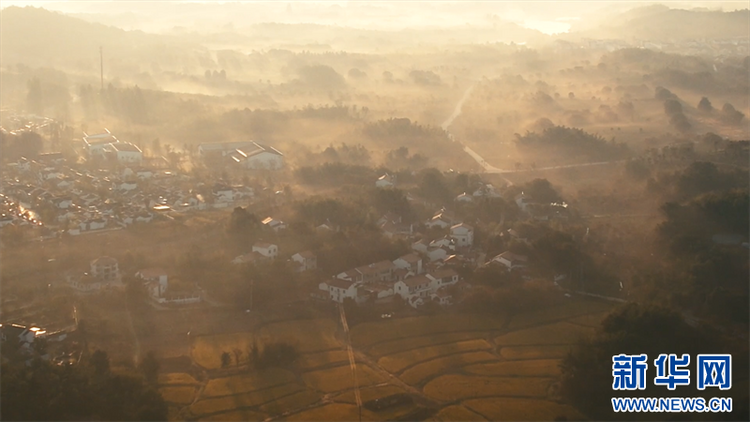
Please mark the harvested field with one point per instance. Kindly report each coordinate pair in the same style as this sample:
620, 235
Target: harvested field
564, 311
207, 350
369, 393
535, 352
247, 382
340, 378
329, 412
311, 335
557, 333
592, 320
404, 344
423, 371
213, 405
178, 395
289, 403
370, 333
400, 361
460, 387
177, 378
316, 360
236, 415
524, 368
457, 413
512, 409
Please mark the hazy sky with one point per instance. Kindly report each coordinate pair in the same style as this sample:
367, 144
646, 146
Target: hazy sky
546, 16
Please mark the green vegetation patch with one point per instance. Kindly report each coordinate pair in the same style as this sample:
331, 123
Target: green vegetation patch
535, 352
512, 409
316, 360
401, 345
418, 373
368, 334
525, 368
457, 413
340, 378
400, 361
214, 405
178, 395
571, 309
237, 384
557, 333
459, 387
311, 335
292, 402
177, 378
207, 350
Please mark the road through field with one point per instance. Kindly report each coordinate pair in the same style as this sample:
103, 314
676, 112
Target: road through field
352, 361
492, 169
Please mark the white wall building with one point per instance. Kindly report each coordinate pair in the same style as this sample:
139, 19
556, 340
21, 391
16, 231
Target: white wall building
462, 234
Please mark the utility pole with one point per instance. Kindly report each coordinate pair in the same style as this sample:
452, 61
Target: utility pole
101, 66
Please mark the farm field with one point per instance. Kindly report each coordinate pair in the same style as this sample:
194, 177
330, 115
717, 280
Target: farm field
400, 361
178, 395
423, 371
246, 383
457, 413
516, 409
340, 378
459, 387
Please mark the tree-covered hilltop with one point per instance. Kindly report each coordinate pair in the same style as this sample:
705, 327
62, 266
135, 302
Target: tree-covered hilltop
43, 391
572, 142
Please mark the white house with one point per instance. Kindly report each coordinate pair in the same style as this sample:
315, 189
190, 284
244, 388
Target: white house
124, 152
487, 190
419, 286
411, 262
464, 197
156, 281
105, 268
385, 181
222, 148
305, 261
523, 201
510, 260
258, 156
462, 234
442, 219
436, 254
445, 242
223, 193
95, 144
442, 277
421, 245
268, 250
273, 224
339, 289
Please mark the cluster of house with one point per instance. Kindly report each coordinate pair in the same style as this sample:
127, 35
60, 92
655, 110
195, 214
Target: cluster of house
105, 145
104, 273
264, 251
406, 277
22, 338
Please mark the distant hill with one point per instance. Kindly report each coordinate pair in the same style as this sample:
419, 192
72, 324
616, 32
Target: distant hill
659, 22
38, 37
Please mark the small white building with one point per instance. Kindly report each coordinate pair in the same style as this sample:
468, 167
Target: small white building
510, 260
156, 280
385, 181
124, 152
305, 261
339, 289
411, 262
268, 250
105, 268
274, 224
462, 234
258, 156
95, 144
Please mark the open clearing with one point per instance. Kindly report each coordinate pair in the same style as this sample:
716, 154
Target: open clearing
421, 372
369, 393
213, 405
340, 378
525, 368
178, 395
400, 361
311, 335
557, 333
295, 401
512, 409
459, 387
177, 378
565, 311
404, 344
316, 360
207, 350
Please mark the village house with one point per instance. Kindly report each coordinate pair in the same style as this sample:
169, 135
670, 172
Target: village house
385, 181
462, 234
268, 250
411, 262
339, 289
510, 260
523, 201
123, 152
304, 261
273, 224
157, 284
378, 271
442, 219
95, 144
464, 197
258, 156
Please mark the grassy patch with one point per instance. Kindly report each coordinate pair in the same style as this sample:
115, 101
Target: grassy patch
177, 378
292, 402
567, 310
457, 413
316, 360
219, 404
535, 352
310, 335
459, 387
512, 409
417, 374
236, 415
368, 334
178, 395
404, 344
340, 378
369, 393
524, 368
207, 350
557, 333
247, 382
400, 361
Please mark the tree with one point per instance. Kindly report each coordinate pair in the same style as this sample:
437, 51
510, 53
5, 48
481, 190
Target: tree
100, 362
226, 359
705, 105
150, 368
731, 115
237, 356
